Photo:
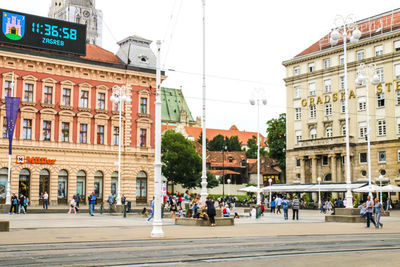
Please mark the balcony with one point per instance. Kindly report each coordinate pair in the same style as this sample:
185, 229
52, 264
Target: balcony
326, 141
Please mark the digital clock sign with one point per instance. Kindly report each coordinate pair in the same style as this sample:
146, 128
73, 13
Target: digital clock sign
43, 33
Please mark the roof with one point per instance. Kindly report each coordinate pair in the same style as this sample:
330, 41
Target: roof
96, 53
195, 132
222, 172
370, 27
232, 159
266, 166
173, 103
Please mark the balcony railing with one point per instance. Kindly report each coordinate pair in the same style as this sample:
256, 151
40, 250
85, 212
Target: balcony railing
337, 140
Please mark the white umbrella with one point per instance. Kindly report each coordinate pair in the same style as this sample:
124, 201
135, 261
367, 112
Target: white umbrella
366, 189
390, 188
250, 189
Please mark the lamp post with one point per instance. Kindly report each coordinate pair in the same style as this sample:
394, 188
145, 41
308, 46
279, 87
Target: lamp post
224, 147
367, 74
119, 95
229, 186
380, 178
270, 190
258, 100
344, 25
319, 192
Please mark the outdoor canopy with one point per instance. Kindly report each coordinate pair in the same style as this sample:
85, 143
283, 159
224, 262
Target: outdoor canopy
251, 188
366, 189
390, 188
331, 187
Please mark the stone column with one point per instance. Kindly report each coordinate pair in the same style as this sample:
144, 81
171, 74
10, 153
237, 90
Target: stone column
34, 188
314, 169
302, 170
53, 188
333, 168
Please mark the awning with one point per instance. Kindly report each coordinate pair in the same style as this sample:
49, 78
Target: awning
342, 187
251, 188
390, 188
366, 189
331, 187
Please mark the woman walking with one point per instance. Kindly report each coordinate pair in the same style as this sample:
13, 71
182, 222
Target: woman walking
72, 205
378, 211
211, 211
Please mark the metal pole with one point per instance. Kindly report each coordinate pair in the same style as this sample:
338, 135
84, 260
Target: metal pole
368, 141
258, 153
157, 222
8, 196
223, 173
204, 192
319, 194
349, 196
119, 150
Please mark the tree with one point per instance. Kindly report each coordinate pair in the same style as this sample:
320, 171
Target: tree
211, 180
276, 136
200, 140
180, 161
251, 152
233, 143
218, 142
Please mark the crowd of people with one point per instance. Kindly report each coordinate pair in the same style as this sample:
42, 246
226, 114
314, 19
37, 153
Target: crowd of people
18, 204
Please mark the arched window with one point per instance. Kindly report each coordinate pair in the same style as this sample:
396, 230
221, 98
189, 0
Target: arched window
313, 133
44, 183
81, 184
3, 184
24, 182
141, 187
62, 185
328, 177
114, 183
98, 184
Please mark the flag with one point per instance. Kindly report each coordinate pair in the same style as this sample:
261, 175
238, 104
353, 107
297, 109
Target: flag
12, 106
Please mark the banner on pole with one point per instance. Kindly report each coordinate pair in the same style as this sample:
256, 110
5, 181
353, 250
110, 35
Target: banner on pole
12, 106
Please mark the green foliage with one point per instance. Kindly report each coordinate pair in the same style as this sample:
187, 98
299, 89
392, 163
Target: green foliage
218, 142
251, 152
180, 161
200, 140
357, 200
240, 198
276, 136
233, 143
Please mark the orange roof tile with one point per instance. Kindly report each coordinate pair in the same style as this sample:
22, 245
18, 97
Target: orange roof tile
96, 53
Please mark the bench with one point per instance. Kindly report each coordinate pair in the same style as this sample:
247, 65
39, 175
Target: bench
219, 221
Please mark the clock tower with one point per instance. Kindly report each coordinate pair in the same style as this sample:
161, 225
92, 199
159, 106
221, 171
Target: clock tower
80, 11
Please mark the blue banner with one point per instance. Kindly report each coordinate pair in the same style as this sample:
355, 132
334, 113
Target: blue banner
12, 106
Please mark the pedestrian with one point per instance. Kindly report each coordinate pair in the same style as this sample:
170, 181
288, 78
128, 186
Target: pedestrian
72, 206
278, 202
388, 204
195, 209
328, 205
21, 204
273, 205
378, 211
369, 206
210, 211
110, 202
186, 196
152, 211
262, 208
77, 200
285, 206
295, 208
226, 211
253, 213
322, 208
179, 200
14, 204
92, 203
173, 208
45, 200
363, 212
180, 212
123, 199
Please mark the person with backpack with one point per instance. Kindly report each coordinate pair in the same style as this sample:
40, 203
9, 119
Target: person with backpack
273, 205
226, 211
92, 203
14, 204
296, 207
21, 204
285, 206
110, 202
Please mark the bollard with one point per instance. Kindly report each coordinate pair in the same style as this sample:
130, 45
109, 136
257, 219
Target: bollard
258, 212
124, 211
162, 211
101, 209
110, 209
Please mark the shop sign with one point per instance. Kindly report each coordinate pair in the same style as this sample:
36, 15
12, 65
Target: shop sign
21, 159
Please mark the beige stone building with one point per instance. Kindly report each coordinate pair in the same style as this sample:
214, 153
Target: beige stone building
316, 110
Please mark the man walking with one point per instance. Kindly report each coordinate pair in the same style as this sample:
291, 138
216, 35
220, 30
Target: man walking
285, 206
77, 198
152, 211
370, 206
296, 207
278, 202
14, 204
45, 200
110, 202
92, 202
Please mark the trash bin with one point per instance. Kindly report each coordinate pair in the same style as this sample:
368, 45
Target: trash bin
129, 206
258, 212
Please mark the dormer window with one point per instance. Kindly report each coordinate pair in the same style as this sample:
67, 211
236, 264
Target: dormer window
230, 159
143, 59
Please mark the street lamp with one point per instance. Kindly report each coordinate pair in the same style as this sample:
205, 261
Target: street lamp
380, 178
319, 192
119, 95
344, 25
259, 100
270, 190
224, 147
367, 74
229, 186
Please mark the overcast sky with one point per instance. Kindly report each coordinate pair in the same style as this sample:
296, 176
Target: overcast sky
246, 42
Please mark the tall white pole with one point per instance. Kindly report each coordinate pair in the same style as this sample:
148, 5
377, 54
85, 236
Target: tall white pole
368, 142
157, 222
258, 153
8, 192
349, 196
204, 192
119, 152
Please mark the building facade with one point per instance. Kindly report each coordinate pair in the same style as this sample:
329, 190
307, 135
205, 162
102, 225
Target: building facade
67, 132
316, 109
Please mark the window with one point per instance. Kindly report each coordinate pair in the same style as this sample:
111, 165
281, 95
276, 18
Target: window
296, 70
116, 136
328, 109
341, 82
297, 112
143, 137
28, 92
397, 71
7, 88
83, 133
298, 163
362, 126
397, 46
362, 103
398, 125
381, 100
313, 133
143, 105
363, 157
313, 112
327, 63
100, 134
65, 132
328, 86
230, 159
27, 129
398, 97
382, 172
101, 101
311, 89
46, 130
311, 67
382, 156
378, 50
66, 97
380, 74
84, 99
344, 129
341, 59
328, 131
48, 95
324, 160
297, 92
398, 155
342, 106
381, 127
298, 136
5, 131
360, 55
